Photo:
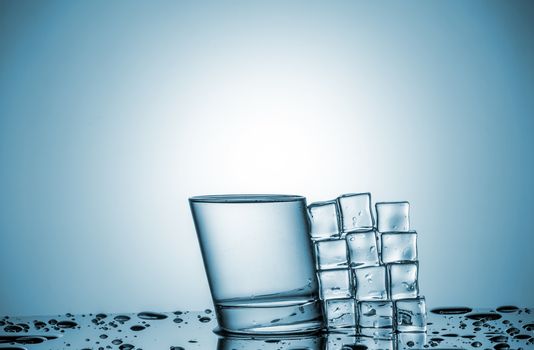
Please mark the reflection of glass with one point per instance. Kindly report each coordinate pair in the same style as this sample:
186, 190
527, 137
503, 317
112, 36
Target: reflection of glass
259, 262
316, 342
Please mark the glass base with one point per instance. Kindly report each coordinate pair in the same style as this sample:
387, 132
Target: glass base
270, 318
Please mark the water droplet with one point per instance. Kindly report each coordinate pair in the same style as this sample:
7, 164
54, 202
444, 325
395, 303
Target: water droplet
116, 342
204, 319
148, 315
13, 328
137, 328
126, 347
176, 348
498, 339
121, 318
484, 316
476, 344
178, 320
451, 310
507, 308
66, 324
522, 336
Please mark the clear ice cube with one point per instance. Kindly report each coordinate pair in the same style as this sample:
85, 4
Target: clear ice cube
340, 313
362, 247
371, 283
403, 280
324, 219
398, 247
411, 315
393, 216
375, 314
331, 254
355, 211
411, 341
334, 284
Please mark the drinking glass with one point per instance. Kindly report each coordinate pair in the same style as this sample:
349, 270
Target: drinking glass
259, 262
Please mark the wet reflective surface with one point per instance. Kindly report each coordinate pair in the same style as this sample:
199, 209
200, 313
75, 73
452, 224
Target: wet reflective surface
507, 327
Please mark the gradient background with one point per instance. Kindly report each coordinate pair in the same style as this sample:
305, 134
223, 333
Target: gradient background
113, 113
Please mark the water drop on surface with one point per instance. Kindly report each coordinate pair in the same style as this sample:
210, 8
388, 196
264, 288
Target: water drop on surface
451, 310
137, 328
121, 318
13, 328
476, 344
204, 319
507, 309
148, 315
66, 324
484, 316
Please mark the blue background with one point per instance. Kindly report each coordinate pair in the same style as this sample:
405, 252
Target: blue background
113, 113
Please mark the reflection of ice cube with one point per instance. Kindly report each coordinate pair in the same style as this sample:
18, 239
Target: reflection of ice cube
398, 247
338, 340
324, 220
362, 248
331, 254
375, 314
373, 339
403, 280
356, 211
411, 315
378, 333
340, 313
371, 283
393, 216
334, 284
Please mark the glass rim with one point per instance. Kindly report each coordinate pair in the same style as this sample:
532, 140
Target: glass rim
246, 198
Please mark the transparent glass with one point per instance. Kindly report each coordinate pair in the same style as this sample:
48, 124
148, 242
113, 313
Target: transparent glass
259, 262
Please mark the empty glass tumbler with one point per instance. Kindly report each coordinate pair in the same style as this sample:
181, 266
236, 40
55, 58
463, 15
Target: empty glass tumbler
259, 262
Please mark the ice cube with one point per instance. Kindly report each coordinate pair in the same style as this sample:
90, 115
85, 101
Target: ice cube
375, 314
334, 284
355, 211
340, 313
411, 315
324, 219
403, 280
371, 283
331, 254
411, 341
362, 248
398, 247
393, 216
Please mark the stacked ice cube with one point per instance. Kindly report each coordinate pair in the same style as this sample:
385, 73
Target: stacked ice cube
368, 274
